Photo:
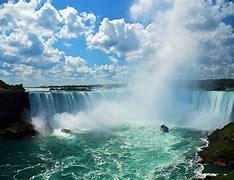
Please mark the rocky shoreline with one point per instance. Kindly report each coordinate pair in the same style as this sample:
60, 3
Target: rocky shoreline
220, 151
18, 130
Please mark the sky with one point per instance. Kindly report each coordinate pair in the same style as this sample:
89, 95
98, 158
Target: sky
102, 41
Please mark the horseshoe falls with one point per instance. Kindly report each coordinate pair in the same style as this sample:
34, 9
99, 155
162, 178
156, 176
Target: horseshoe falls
218, 105
106, 144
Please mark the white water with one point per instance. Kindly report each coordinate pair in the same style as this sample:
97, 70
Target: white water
217, 102
81, 110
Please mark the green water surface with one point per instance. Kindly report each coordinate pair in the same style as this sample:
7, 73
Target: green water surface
119, 153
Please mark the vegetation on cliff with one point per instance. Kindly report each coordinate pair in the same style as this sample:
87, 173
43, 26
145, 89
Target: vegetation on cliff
208, 84
7, 87
70, 88
220, 151
81, 87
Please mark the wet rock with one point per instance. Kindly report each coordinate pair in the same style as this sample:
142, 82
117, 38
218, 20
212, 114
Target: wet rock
219, 151
20, 129
228, 176
219, 164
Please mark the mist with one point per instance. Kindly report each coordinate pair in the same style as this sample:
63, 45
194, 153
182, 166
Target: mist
151, 96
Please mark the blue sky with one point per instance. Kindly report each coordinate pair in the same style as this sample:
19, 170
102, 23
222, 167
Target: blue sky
114, 9
104, 41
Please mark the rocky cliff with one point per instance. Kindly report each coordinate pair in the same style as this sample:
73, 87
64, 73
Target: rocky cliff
14, 112
14, 107
220, 151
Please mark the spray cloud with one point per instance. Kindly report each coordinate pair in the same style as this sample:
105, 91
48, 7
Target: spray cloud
179, 32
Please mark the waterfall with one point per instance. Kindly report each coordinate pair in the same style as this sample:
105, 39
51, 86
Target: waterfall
50, 103
47, 104
218, 102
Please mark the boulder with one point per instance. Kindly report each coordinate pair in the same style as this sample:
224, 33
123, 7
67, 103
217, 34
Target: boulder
219, 151
20, 129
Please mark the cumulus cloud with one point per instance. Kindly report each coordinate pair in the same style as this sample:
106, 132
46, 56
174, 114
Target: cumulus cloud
145, 10
168, 28
75, 65
76, 24
124, 39
28, 31
25, 31
48, 18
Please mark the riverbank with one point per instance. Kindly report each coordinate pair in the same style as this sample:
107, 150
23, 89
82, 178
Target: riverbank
218, 155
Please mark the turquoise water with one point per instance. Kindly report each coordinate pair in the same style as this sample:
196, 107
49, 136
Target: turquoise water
119, 153
115, 151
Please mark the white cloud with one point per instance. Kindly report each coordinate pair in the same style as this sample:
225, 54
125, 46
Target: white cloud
105, 67
145, 10
160, 28
25, 34
117, 36
28, 32
48, 19
113, 59
76, 24
75, 65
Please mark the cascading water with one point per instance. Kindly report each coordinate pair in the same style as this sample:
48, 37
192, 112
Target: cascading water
219, 104
49, 103
126, 151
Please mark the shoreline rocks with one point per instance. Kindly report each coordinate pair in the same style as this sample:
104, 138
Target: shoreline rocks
18, 130
220, 150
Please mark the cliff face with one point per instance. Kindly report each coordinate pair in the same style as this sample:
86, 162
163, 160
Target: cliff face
14, 107
219, 151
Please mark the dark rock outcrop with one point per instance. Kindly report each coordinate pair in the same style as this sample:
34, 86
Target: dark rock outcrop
11, 88
14, 116
14, 107
14, 112
18, 130
220, 150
